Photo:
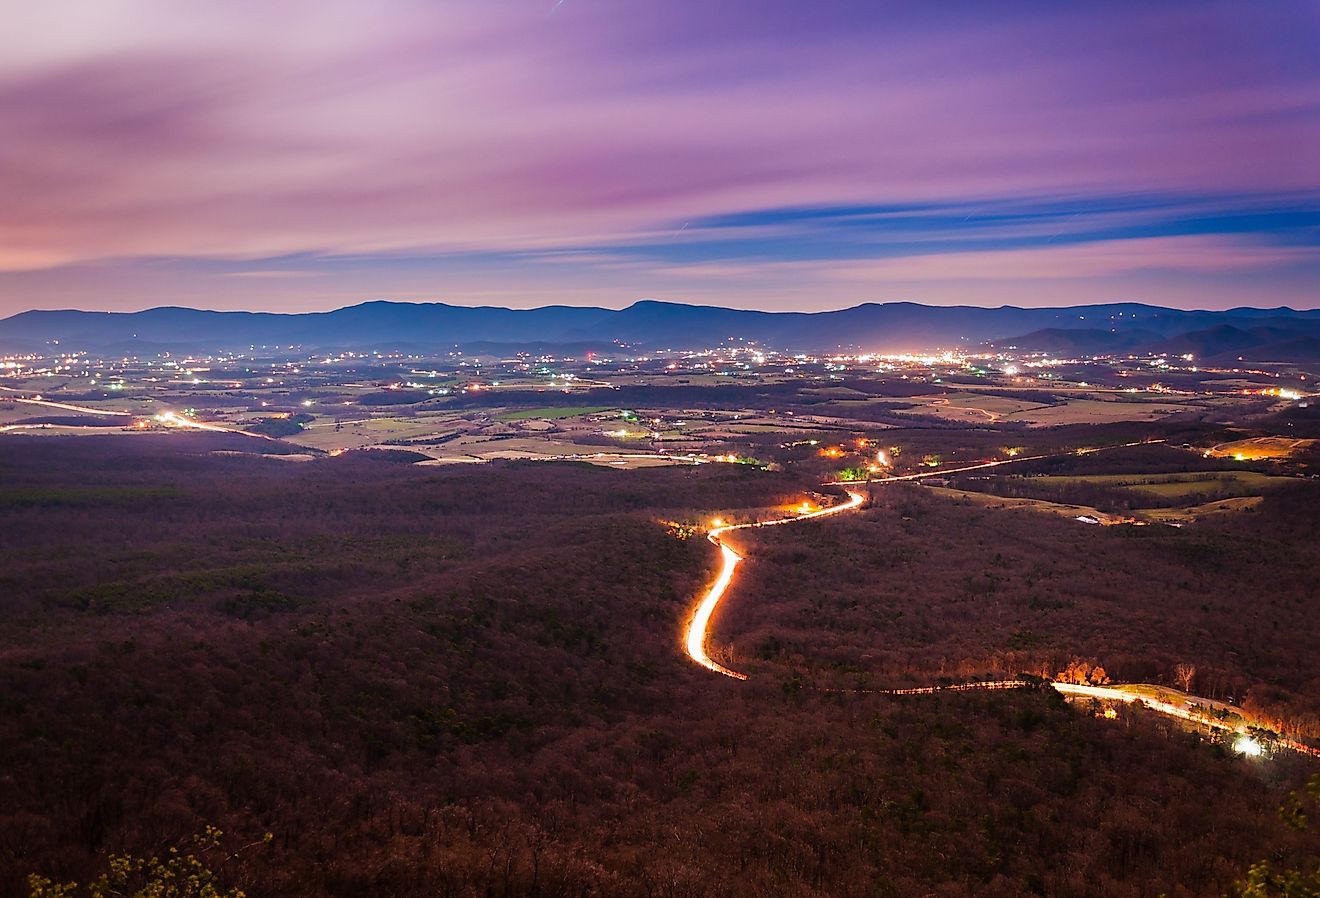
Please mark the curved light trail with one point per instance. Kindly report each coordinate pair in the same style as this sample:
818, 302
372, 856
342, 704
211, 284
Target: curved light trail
699, 625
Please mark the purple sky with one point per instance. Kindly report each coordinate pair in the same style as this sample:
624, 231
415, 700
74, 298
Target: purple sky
805, 154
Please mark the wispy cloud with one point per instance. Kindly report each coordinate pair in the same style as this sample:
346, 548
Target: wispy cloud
1101, 259
472, 138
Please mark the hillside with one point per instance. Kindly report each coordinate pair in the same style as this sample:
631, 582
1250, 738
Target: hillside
470, 683
1274, 339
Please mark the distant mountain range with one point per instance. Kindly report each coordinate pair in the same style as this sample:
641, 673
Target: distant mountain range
1296, 341
1264, 334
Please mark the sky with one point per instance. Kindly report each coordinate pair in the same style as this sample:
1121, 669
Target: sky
294, 155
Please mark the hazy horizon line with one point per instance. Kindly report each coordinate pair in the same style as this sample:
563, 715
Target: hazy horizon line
666, 302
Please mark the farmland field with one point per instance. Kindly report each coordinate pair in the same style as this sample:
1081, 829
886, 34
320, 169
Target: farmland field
1176, 485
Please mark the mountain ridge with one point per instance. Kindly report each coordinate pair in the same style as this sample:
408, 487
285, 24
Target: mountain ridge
653, 324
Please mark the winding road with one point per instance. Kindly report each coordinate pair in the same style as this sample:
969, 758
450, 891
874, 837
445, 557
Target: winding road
698, 628
699, 625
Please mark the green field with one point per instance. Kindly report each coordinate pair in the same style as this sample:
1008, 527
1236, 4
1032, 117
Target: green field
1178, 515
1191, 513
389, 424
989, 500
1175, 485
552, 412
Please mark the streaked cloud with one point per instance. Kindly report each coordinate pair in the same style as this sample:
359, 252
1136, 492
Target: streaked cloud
487, 151
1098, 259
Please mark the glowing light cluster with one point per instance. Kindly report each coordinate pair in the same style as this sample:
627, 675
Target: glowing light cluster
1245, 745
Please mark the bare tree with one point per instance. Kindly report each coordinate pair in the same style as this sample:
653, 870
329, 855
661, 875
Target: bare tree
1184, 674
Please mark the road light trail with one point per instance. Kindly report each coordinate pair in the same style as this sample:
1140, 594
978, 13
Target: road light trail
174, 419
940, 472
64, 406
1168, 709
169, 419
1118, 694
699, 625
